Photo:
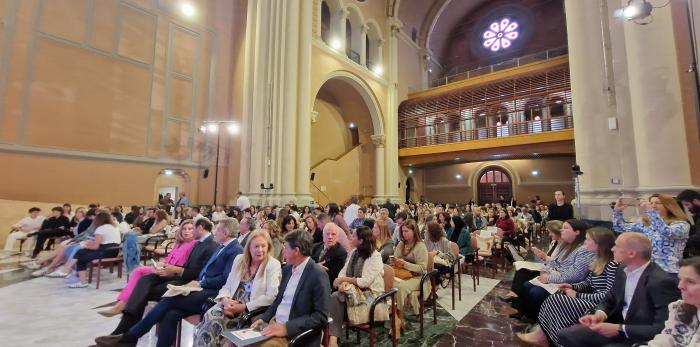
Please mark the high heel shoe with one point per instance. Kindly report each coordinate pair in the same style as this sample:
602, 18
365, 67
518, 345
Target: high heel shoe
114, 310
535, 338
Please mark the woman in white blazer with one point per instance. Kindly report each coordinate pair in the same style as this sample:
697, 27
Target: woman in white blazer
253, 283
363, 268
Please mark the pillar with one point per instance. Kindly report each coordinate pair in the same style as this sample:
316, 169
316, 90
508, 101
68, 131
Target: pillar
380, 162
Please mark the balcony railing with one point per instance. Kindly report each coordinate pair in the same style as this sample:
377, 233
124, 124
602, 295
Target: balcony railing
491, 132
471, 71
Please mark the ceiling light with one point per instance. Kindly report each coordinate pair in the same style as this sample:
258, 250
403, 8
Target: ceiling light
212, 127
168, 172
458, 176
458, 158
410, 171
351, 125
535, 173
203, 129
377, 69
187, 9
430, 70
233, 128
335, 43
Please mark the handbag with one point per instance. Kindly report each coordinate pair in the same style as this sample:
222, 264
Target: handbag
402, 273
358, 303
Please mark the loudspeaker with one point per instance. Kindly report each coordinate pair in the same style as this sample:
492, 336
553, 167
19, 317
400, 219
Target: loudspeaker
206, 173
313, 175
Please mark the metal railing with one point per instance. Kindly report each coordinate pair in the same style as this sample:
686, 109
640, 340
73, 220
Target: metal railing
471, 71
490, 132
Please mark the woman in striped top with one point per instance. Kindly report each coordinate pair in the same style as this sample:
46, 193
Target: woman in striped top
563, 310
570, 267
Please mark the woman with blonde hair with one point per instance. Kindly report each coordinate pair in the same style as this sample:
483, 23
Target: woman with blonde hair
382, 239
665, 225
184, 243
410, 254
252, 283
275, 234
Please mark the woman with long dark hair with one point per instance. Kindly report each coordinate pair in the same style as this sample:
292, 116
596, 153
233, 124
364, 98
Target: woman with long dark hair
364, 269
337, 217
105, 245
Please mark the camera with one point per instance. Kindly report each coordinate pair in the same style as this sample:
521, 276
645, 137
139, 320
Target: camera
576, 170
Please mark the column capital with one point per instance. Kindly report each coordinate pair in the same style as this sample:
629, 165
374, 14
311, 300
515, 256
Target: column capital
378, 140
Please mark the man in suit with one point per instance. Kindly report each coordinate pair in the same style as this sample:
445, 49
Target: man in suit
635, 309
302, 299
153, 286
330, 255
245, 227
170, 310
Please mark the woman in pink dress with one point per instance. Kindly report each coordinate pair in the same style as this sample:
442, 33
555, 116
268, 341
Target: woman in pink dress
184, 242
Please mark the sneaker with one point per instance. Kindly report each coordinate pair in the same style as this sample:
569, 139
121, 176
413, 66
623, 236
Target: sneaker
40, 272
78, 285
32, 265
57, 274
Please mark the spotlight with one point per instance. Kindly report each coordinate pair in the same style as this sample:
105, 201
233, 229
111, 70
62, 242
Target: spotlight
377, 69
168, 172
351, 125
335, 44
212, 127
635, 9
187, 9
458, 176
535, 173
430, 70
458, 159
233, 128
410, 171
203, 129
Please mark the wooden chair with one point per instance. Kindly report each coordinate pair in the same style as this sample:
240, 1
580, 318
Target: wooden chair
484, 246
117, 261
389, 291
430, 275
192, 319
457, 273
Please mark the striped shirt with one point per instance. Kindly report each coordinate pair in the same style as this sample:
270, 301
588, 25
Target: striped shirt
594, 287
572, 268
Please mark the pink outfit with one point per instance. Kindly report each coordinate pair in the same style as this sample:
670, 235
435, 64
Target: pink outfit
178, 256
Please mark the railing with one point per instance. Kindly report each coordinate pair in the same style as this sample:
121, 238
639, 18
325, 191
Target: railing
467, 72
491, 132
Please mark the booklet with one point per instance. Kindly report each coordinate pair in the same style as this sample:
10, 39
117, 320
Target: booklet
551, 288
185, 290
244, 337
529, 265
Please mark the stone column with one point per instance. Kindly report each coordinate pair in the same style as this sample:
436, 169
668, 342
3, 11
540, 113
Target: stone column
304, 118
380, 162
391, 123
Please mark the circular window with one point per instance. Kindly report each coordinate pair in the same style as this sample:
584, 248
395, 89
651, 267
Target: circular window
500, 34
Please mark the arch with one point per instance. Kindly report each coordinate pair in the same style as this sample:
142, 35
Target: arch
365, 92
493, 182
354, 33
179, 179
476, 173
373, 54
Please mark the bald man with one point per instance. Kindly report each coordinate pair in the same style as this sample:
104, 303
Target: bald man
635, 309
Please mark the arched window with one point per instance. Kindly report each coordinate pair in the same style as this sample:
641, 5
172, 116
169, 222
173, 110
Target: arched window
414, 35
368, 59
325, 22
348, 38
494, 176
494, 183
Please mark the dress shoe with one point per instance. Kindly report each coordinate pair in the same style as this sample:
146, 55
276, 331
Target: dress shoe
108, 340
507, 298
114, 310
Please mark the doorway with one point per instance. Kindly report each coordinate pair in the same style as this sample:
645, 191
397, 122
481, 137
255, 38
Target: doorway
494, 183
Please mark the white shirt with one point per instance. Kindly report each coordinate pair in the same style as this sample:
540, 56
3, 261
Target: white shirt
197, 217
110, 234
631, 281
241, 237
33, 224
285, 306
351, 213
217, 216
243, 202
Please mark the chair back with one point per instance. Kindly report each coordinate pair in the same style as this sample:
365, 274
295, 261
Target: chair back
431, 262
388, 278
455, 249
484, 244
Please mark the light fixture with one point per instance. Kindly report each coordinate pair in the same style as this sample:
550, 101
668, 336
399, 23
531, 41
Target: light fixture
430, 70
410, 171
636, 9
458, 176
335, 44
168, 172
500, 34
458, 159
377, 69
187, 9
203, 129
212, 127
535, 173
233, 128
410, 164
351, 125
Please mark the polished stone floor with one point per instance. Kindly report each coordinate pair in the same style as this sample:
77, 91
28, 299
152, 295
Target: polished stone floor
480, 319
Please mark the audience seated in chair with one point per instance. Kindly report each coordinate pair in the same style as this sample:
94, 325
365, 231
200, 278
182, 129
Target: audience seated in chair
330, 255
384, 243
410, 254
563, 310
153, 286
184, 243
302, 299
252, 284
24, 227
364, 270
55, 226
158, 223
170, 310
636, 307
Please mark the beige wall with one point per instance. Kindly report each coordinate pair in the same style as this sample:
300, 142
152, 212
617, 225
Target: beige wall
330, 137
439, 183
11, 211
115, 89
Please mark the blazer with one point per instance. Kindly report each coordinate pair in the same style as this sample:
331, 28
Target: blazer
649, 306
201, 252
264, 287
334, 259
310, 304
218, 271
372, 276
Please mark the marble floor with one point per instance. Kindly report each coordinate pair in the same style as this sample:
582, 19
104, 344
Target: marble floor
41, 311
